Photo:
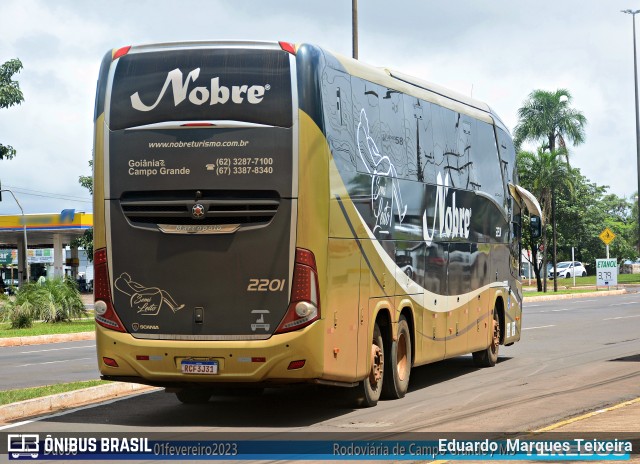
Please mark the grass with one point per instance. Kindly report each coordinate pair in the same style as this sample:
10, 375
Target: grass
589, 280
43, 328
13, 396
565, 286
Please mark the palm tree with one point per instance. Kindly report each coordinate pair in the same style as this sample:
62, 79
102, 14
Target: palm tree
53, 300
543, 173
548, 117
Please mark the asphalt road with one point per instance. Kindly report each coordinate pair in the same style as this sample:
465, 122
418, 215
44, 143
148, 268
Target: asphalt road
38, 365
576, 355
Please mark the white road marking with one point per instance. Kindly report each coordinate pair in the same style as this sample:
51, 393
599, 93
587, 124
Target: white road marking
563, 309
539, 327
622, 304
53, 362
57, 349
621, 317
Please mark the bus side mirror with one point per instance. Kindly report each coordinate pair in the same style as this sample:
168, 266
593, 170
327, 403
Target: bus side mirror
535, 224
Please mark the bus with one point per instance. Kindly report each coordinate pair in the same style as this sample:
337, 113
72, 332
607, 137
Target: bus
268, 214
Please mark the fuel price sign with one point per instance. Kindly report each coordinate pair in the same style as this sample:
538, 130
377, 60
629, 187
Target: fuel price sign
606, 272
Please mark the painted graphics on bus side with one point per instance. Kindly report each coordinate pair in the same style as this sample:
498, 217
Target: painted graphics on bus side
452, 222
425, 179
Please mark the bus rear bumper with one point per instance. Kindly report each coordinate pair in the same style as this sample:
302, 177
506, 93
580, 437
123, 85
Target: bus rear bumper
282, 359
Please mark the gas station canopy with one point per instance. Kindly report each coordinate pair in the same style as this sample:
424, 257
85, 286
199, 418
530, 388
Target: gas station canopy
43, 231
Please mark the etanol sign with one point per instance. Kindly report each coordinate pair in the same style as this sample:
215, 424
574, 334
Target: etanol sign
606, 272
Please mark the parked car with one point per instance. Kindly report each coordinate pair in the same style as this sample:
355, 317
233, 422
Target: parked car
568, 269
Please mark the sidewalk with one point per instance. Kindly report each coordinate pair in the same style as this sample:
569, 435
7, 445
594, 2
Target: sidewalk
620, 418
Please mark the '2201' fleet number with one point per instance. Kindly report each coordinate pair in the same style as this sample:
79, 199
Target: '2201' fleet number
266, 285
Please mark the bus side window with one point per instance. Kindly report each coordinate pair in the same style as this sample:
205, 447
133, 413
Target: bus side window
516, 227
394, 143
336, 89
366, 122
507, 158
419, 140
488, 171
448, 142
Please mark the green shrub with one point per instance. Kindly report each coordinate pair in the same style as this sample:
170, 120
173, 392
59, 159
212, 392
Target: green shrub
54, 300
21, 319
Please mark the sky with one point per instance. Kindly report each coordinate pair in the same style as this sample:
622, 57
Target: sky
497, 51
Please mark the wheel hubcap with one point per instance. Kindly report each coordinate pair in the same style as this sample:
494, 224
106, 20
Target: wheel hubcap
377, 365
496, 336
402, 356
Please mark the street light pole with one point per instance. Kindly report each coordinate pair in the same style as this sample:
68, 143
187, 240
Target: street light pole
635, 87
24, 231
354, 27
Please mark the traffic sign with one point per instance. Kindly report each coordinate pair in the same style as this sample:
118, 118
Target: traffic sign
607, 236
606, 272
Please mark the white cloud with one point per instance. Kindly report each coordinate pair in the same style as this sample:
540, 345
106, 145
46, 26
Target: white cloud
501, 49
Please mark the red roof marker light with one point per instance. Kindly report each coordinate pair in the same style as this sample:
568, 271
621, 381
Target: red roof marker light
121, 52
288, 47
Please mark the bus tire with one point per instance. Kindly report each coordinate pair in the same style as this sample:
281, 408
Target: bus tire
370, 389
489, 356
194, 395
396, 381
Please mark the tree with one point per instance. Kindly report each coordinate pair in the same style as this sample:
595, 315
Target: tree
10, 95
584, 216
87, 181
547, 117
86, 240
543, 173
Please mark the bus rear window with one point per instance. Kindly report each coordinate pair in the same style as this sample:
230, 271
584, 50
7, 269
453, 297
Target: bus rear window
202, 85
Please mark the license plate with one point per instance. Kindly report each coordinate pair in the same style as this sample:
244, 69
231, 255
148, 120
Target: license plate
200, 367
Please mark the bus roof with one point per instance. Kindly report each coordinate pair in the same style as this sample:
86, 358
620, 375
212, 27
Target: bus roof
405, 83
411, 85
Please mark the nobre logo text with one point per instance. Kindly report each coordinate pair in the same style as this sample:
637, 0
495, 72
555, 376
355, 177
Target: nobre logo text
214, 94
451, 221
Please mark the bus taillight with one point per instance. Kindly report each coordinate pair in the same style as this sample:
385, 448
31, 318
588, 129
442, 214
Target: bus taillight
304, 307
104, 312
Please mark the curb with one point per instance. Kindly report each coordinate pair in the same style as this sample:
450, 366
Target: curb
42, 339
68, 400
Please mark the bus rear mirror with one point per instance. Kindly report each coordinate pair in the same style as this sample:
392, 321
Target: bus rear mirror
536, 226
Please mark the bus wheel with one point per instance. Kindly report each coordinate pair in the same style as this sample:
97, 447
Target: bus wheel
194, 395
369, 390
396, 381
489, 356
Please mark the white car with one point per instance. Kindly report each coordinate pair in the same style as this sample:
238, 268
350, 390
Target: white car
568, 269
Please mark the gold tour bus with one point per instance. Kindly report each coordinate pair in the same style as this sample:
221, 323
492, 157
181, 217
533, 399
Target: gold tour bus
269, 214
